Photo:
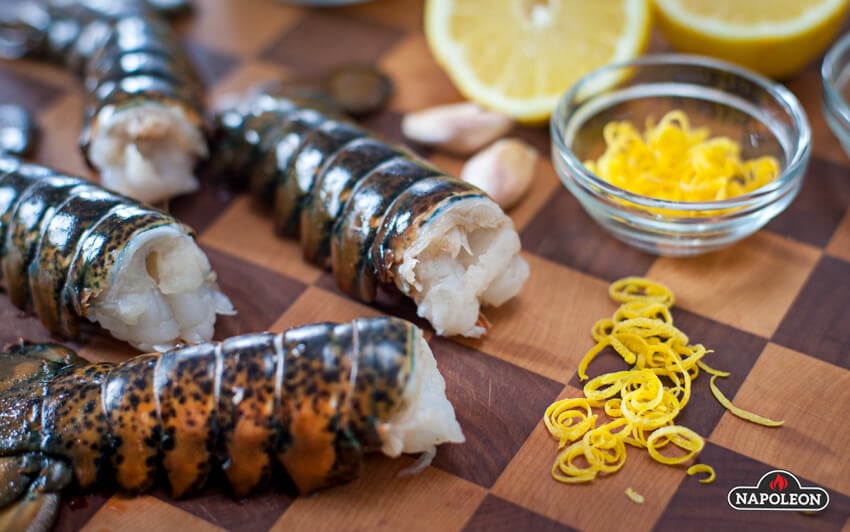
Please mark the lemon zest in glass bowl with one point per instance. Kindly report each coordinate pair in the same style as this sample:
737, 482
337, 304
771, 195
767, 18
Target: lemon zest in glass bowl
673, 161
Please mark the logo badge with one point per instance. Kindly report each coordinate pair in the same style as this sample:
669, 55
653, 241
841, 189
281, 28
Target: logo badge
778, 490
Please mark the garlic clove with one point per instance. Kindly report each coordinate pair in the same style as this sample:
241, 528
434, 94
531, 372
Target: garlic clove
461, 128
504, 170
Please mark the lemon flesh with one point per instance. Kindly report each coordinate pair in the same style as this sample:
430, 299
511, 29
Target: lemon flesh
775, 37
518, 56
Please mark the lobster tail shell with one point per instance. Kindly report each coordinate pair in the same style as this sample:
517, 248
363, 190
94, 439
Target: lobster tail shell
63, 238
370, 211
314, 398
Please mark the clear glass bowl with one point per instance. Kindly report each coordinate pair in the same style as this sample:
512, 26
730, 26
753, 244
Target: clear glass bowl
835, 75
761, 115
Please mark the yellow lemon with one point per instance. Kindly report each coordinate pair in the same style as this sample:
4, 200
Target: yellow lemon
775, 37
518, 56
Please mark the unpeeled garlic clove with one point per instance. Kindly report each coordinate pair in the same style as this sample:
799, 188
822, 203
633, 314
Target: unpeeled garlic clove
504, 170
461, 128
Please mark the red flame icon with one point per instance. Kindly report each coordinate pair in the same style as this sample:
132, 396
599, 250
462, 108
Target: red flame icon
778, 483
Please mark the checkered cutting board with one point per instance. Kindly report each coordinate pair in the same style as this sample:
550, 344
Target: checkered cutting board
775, 309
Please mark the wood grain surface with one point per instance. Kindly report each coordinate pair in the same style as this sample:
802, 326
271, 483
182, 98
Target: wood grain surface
774, 308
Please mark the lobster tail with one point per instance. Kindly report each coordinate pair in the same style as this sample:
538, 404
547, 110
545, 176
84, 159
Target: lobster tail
314, 398
72, 250
372, 212
143, 127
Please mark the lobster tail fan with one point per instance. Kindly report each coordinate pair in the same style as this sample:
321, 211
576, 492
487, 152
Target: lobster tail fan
29, 491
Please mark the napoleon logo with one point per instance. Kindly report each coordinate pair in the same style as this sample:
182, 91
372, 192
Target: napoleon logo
778, 490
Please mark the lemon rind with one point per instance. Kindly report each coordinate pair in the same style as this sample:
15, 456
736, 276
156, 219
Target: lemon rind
813, 18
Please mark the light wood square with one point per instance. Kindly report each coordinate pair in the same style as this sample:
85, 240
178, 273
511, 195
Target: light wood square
59, 147
144, 514
839, 245
243, 231
380, 500
546, 328
598, 505
809, 395
408, 64
749, 286
405, 14
317, 304
235, 86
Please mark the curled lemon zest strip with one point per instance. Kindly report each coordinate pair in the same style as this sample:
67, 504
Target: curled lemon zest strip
636, 497
711, 371
612, 407
566, 422
740, 412
603, 450
682, 437
589, 356
703, 468
563, 470
601, 329
642, 309
640, 289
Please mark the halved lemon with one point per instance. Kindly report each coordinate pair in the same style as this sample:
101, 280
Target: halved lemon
775, 37
518, 56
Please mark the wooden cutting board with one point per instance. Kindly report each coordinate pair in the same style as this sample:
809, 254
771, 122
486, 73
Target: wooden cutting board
774, 309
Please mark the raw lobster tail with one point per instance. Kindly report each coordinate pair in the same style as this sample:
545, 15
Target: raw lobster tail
372, 212
313, 399
70, 249
143, 118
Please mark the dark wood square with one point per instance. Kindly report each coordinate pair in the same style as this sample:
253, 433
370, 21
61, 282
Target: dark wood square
498, 405
697, 506
815, 214
323, 40
216, 506
818, 322
199, 210
32, 93
496, 514
211, 65
564, 233
259, 295
77, 509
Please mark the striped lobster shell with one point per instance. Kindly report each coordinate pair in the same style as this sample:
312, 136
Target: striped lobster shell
126, 56
312, 399
61, 238
356, 202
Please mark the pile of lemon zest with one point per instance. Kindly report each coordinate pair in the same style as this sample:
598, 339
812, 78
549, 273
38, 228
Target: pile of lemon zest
643, 401
673, 161
740, 412
636, 497
703, 468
